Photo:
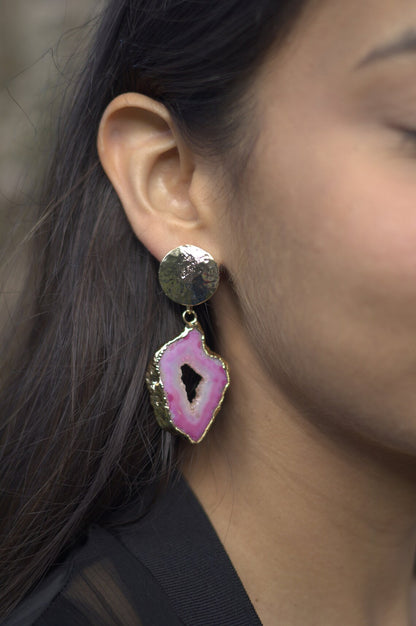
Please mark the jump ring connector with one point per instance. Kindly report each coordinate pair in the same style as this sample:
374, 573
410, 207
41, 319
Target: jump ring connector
189, 312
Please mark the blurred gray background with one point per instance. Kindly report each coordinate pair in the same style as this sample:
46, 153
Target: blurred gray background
38, 39
35, 37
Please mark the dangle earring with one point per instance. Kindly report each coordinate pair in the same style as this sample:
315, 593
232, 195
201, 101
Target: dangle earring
186, 380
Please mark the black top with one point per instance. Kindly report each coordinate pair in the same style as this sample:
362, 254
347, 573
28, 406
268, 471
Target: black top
165, 569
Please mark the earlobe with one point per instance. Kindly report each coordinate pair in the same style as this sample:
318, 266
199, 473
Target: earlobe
151, 170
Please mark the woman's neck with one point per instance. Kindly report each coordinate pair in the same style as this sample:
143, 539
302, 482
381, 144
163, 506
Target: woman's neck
320, 529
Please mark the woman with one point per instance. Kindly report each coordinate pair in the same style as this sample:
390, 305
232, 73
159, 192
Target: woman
280, 138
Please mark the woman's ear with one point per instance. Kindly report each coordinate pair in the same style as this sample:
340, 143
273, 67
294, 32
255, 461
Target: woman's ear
153, 172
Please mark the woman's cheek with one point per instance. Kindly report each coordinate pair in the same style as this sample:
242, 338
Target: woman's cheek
336, 287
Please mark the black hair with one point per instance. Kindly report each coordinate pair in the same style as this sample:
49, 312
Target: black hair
78, 435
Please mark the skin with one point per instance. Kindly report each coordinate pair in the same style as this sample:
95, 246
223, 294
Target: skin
308, 474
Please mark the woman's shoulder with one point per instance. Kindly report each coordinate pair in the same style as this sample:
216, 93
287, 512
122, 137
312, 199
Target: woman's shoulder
164, 567
100, 582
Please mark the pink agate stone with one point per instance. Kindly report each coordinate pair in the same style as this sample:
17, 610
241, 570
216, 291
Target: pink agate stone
192, 418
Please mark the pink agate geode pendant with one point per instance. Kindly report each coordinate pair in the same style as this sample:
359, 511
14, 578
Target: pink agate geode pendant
187, 382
